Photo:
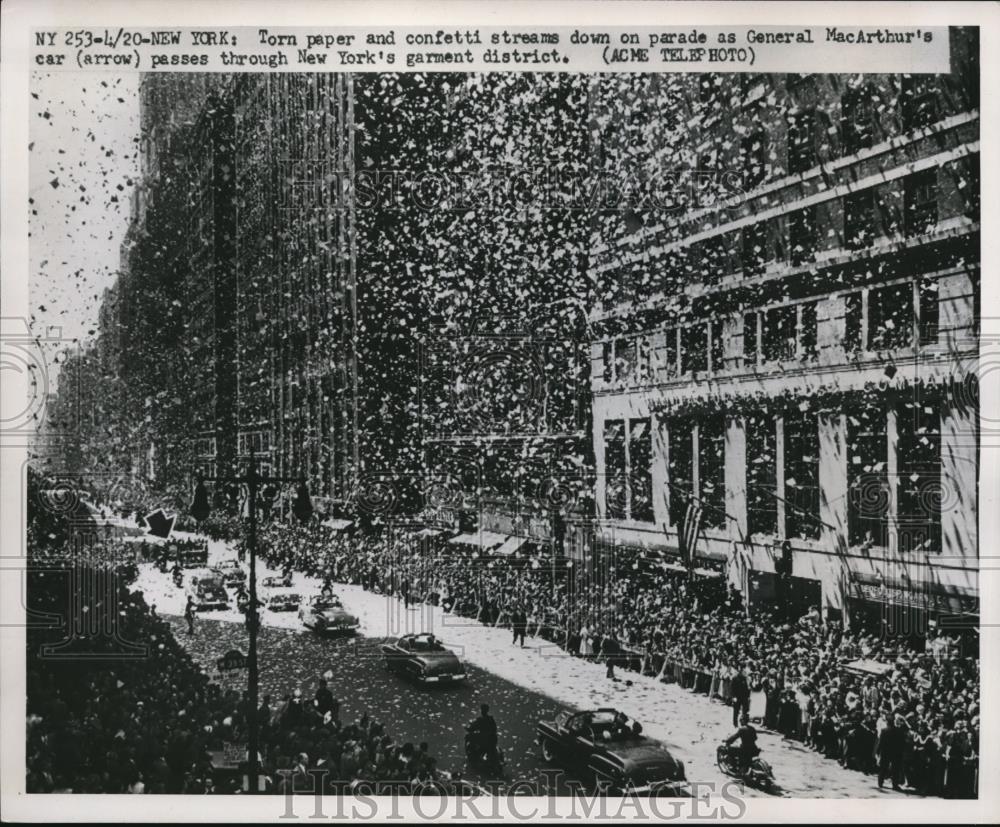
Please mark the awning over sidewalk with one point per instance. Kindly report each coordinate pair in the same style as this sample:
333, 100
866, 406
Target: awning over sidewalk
485, 540
337, 525
429, 532
511, 545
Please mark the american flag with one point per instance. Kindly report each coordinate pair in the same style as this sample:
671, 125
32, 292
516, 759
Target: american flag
690, 529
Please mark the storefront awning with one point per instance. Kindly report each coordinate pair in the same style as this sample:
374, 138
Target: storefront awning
707, 572
428, 532
337, 525
511, 545
485, 540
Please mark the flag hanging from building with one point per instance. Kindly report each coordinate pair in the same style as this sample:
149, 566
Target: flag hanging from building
690, 529
739, 568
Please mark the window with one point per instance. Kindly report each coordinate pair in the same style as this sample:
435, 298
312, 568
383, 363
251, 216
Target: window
920, 198
753, 156
679, 466
802, 476
624, 359
858, 123
890, 317
670, 352
802, 141
778, 334
867, 477
718, 349
762, 484
918, 514
859, 219
614, 468
712, 470
919, 101
644, 353
628, 470
929, 312
756, 248
807, 330
802, 235
853, 305
694, 348
607, 362
750, 339
640, 460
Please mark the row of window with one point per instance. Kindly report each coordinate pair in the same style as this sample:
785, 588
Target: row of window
204, 446
257, 442
889, 317
795, 238
860, 125
783, 489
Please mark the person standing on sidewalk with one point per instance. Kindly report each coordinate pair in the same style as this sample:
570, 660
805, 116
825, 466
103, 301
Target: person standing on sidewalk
519, 621
740, 689
189, 614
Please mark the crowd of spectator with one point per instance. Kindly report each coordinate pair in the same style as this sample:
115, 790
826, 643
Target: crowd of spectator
873, 701
122, 708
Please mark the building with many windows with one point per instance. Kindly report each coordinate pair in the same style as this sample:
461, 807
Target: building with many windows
794, 350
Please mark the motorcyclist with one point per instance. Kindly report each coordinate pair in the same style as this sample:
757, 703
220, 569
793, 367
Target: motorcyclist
484, 731
747, 736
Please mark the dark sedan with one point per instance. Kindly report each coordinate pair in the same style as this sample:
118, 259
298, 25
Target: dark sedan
326, 614
424, 659
604, 745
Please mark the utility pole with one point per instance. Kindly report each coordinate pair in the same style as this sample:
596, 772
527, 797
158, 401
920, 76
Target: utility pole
303, 510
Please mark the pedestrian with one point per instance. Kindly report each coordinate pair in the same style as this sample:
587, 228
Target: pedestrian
189, 613
740, 690
610, 649
323, 702
519, 621
889, 751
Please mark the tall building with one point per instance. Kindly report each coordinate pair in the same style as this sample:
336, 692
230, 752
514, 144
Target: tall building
177, 282
487, 327
788, 333
295, 260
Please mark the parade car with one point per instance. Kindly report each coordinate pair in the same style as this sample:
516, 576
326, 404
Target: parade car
276, 581
423, 658
283, 602
232, 572
325, 613
603, 744
208, 592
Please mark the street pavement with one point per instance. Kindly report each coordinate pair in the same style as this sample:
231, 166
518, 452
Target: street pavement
521, 685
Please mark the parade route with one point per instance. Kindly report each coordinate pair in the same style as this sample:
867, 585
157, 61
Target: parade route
689, 724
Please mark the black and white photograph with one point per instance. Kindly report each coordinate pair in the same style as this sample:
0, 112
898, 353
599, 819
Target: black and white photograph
476, 427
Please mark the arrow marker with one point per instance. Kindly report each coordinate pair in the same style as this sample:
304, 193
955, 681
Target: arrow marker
159, 524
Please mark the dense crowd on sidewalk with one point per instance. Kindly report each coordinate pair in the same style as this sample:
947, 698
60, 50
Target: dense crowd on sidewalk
915, 721
130, 712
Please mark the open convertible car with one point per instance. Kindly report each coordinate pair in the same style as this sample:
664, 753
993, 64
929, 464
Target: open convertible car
606, 746
325, 613
423, 658
208, 591
231, 572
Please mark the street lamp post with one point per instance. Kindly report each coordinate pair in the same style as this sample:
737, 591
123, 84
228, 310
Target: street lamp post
303, 509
